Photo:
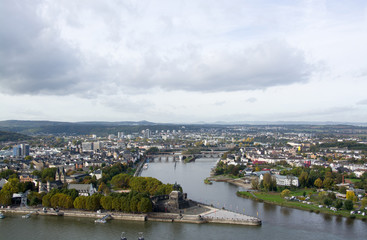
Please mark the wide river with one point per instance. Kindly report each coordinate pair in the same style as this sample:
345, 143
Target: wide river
278, 222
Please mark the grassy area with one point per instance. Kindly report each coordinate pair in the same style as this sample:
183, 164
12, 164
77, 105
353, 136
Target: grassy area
275, 198
353, 180
207, 181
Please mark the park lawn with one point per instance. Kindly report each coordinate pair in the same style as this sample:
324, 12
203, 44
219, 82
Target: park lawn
353, 180
275, 198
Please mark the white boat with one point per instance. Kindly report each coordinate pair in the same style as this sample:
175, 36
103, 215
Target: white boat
2, 215
100, 221
145, 166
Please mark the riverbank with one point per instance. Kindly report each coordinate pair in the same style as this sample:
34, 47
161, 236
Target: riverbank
235, 181
206, 215
276, 199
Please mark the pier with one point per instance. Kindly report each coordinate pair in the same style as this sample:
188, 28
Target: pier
103, 219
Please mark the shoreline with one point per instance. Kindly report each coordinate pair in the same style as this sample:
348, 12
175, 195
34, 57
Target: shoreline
316, 210
212, 215
240, 183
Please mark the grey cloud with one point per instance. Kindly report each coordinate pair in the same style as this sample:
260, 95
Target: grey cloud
33, 59
194, 68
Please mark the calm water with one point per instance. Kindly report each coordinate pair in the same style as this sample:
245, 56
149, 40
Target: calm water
278, 222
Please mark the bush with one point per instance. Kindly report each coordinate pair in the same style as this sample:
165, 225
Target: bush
348, 205
285, 193
338, 204
328, 201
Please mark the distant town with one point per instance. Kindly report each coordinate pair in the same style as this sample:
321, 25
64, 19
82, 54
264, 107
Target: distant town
314, 168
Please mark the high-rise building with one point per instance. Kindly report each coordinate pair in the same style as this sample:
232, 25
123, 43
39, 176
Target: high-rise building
120, 134
24, 149
17, 151
87, 146
147, 133
21, 150
97, 146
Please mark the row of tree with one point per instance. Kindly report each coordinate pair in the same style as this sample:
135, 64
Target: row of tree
146, 185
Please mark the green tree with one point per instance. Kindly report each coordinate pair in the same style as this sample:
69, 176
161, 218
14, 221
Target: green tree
152, 150
34, 198
134, 204
106, 202
46, 200
328, 182
12, 186
255, 183
125, 204
338, 203
350, 195
318, 183
328, 201
348, 204
285, 193
364, 202
80, 202
93, 202
116, 204
121, 180
145, 205
303, 179
5, 198
267, 181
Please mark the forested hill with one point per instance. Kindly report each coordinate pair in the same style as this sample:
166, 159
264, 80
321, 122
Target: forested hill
10, 136
80, 128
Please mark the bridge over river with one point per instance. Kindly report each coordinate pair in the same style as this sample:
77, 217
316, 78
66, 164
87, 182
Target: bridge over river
179, 156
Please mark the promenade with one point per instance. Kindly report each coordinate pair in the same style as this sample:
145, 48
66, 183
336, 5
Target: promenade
209, 215
224, 216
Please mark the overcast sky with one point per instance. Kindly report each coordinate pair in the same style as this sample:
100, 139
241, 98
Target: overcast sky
183, 61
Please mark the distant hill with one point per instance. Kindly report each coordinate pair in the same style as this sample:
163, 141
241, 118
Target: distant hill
10, 136
79, 128
104, 128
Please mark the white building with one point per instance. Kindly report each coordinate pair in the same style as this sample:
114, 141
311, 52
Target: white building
83, 189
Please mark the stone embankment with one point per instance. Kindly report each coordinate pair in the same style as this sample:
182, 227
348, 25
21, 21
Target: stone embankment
210, 215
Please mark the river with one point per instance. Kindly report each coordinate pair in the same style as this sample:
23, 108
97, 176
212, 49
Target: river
278, 222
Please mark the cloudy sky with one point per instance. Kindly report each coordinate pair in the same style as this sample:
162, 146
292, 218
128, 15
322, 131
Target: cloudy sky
183, 61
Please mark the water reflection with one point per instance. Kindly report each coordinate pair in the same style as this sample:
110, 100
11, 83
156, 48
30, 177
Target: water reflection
338, 219
285, 211
327, 217
270, 207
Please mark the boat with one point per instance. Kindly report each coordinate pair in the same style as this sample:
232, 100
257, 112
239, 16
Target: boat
100, 221
123, 236
2, 215
140, 237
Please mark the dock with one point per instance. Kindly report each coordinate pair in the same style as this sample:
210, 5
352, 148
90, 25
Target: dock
103, 219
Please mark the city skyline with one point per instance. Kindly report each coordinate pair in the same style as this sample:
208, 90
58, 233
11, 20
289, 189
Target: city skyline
188, 61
